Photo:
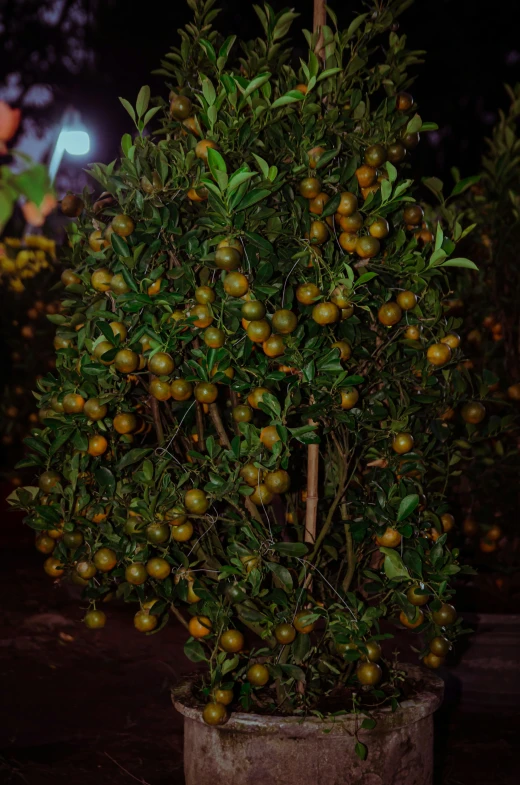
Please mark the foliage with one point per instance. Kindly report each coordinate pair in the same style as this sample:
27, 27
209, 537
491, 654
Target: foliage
31, 185
25, 338
195, 411
489, 297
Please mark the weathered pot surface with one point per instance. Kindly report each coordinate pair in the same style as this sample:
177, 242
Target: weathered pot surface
268, 750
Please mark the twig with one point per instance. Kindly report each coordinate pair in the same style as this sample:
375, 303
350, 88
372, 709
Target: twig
199, 415
143, 782
176, 612
214, 413
154, 405
351, 562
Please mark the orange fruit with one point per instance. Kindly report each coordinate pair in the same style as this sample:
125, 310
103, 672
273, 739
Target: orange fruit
199, 626
349, 398
389, 539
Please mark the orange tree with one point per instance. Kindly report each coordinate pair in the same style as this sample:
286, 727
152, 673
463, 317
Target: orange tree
488, 300
251, 323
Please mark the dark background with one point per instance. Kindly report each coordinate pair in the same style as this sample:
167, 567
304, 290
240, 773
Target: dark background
473, 48
92, 51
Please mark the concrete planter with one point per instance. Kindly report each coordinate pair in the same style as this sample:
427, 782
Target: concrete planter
252, 749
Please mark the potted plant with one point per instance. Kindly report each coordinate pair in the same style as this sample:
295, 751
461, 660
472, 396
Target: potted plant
248, 427
487, 489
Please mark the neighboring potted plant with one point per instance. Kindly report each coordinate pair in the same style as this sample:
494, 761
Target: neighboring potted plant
486, 493
248, 424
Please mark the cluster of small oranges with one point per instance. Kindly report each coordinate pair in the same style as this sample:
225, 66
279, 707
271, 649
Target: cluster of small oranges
22, 259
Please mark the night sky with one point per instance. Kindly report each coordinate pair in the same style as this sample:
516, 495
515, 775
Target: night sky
472, 49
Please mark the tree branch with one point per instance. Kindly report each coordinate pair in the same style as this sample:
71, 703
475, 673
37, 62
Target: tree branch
154, 406
214, 413
351, 561
176, 612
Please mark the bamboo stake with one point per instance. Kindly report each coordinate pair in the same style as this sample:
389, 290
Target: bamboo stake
319, 20
313, 450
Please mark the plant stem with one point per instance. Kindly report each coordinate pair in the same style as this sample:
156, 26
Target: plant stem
351, 561
154, 405
214, 413
199, 414
281, 693
176, 612
332, 509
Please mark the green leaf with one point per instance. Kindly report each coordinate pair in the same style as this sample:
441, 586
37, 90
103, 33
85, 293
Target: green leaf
210, 53
460, 263
150, 113
62, 437
119, 245
464, 184
413, 561
252, 197
263, 165
80, 441
361, 750
208, 90
129, 108
218, 168
236, 180
293, 672
355, 25
255, 83
328, 72
331, 206
132, 457
143, 99
194, 651
230, 665
394, 565
368, 724
33, 183
106, 481
407, 506
282, 573
289, 98
414, 125
37, 445
297, 549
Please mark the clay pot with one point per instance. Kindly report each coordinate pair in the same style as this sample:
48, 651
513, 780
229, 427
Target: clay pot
253, 749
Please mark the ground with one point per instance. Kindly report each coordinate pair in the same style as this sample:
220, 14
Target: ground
94, 707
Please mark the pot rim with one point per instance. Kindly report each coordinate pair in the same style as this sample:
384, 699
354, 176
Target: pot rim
422, 705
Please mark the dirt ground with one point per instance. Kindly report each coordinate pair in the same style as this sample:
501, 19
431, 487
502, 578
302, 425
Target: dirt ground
88, 707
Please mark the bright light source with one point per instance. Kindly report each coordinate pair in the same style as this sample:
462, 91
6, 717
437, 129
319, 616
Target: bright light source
72, 139
74, 142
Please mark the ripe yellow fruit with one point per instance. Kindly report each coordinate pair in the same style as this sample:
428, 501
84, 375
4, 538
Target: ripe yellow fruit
438, 354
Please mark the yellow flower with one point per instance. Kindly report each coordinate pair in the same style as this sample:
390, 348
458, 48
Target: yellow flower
7, 265
23, 258
16, 285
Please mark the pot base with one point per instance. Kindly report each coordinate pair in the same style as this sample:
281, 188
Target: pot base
252, 749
